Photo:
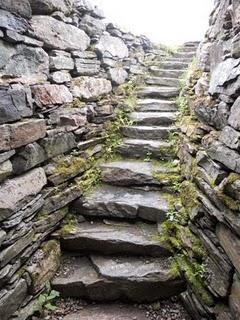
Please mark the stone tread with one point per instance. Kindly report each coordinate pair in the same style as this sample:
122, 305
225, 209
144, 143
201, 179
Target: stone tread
123, 203
168, 82
140, 148
174, 65
148, 132
134, 172
156, 105
112, 237
153, 118
103, 278
166, 73
158, 92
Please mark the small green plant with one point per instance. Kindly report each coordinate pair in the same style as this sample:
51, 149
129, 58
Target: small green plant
45, 302
148, 157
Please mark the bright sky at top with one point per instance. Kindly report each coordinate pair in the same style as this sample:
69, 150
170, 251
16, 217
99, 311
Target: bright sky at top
165, 21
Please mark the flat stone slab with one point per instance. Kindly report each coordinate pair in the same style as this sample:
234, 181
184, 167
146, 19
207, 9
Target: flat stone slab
132, 172
124, 203
111, 237
158, 92
182, 54
148, 132
110, 278
137, 148
166, 73
161, 81
174, 65
156, 105
153, 118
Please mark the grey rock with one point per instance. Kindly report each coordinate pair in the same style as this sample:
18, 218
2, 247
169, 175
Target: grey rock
14, 37
158, 92
2, 236
83, 6
173, 65
92, 26
230, 137
130, 172
160, 81
11, 22
109, 201
14, 191
90, 88
18, 7
60, 77
58, 144
115, 237
236, 46
46, 224
6, 155
27, 64
11, 301
60, 60
156, 105
156, 71
15, 103
109, 46
28, 157
153, 118
235, 115
86, 67
46, 95
234, 298
58, 35
138, 148
47, 7
6, 170
117, 75
229, 158
148, 132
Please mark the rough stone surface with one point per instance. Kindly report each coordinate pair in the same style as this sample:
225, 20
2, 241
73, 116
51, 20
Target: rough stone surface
117, 75
234, 298
49, 6
50, 94
92, 26
59, 35
19, 7
11, 22
235, 115
109, 46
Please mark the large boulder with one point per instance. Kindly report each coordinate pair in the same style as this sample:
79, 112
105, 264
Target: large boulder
89, 88
117, 75
19, 7
92, 26
14, 191
49, 6
50, 94
58, 35
11, 22
109, 46
27, 64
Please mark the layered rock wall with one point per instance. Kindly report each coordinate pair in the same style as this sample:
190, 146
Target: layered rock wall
60, 65
211, 160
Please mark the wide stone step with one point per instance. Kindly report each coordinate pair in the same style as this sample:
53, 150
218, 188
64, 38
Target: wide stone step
122, 203
156, 105
140, 148
179, 59
158, 72
112, 237
174, 65
102, 278
182, 54
153, 118
168, 82
148, 132
135, 173
158, 92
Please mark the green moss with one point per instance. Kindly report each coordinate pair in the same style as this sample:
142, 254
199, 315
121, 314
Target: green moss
77, 103
69, 165
228, 201
189, 196
68, 225
49, 246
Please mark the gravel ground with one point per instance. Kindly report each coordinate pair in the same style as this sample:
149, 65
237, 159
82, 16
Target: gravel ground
74, 309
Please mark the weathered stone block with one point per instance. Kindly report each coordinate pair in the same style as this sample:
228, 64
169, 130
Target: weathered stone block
117, 75
89, 88
47, 7
92, 26
19, 7
11, 22
60, 60
234, 119
50, 94
109, 46
6, 170
13, 192
230, 137
60, 77
86, 67
58, 35
58, 144
234, 300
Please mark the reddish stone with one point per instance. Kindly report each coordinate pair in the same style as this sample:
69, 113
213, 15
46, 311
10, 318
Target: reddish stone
49, 94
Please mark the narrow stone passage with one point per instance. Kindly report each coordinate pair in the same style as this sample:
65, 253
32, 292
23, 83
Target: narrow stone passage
116, 252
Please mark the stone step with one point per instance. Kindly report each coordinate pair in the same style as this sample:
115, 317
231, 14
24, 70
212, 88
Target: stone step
174, 65
182, 54
156, 71
122, 203
156, 105
153, 118
179, 59
140, 148
114, 237
135, 173
160, 81
102, 278
148, 132
158, 92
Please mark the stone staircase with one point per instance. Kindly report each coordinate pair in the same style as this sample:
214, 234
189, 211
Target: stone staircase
116, 252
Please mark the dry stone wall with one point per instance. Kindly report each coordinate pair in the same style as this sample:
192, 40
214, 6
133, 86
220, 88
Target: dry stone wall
60, 65
210, 152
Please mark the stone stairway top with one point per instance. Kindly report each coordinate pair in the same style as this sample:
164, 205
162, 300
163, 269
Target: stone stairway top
158, 92
102, 278
123, 203
112, 237
156, 105
134, 172
153, 118
148, 132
